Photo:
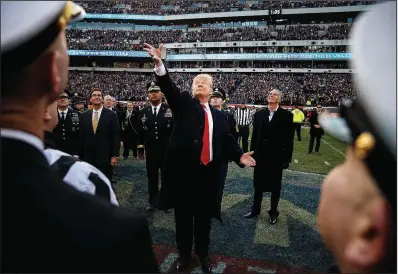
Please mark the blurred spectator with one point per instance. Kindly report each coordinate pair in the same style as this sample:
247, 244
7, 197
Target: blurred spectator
242, 88
95, 39
187, 7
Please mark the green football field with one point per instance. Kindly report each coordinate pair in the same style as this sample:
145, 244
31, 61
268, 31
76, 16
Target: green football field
331, 154
293, 245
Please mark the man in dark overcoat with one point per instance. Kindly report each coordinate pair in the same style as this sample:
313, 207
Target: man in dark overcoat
200, 140
316, 132
272, 143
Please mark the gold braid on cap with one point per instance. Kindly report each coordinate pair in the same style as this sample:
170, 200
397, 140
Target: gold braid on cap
364, 143
65, 15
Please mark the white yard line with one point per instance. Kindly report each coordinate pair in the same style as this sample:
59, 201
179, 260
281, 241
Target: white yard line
295, 161
330, 145
326, 163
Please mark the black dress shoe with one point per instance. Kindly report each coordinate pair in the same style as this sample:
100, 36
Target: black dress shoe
251, 215
182, 265
149, 208
273, 220
205, 265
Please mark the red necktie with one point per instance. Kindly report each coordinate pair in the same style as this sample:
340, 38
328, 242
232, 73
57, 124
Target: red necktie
205, 155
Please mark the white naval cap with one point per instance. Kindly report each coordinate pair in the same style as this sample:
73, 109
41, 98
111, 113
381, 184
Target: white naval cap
29, 27
369, 122
374, 52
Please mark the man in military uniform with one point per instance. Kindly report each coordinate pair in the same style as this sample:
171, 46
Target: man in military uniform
156, 125
129, 127
78, 102
357, 214
67, 130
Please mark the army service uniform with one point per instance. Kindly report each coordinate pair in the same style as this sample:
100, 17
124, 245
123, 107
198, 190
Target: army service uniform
67, 131
154, 134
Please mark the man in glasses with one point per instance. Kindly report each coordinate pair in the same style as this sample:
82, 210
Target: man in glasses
358, 206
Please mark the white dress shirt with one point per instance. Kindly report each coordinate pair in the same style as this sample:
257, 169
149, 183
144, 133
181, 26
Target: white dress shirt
99, 113
271, 113
160, 71
65, 112
157, 109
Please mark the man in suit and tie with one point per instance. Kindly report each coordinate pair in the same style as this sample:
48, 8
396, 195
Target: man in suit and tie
66, 133
156, 126
100, 135
200, 140
272, 143
48, 226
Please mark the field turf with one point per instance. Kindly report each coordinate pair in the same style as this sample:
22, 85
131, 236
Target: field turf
293, 245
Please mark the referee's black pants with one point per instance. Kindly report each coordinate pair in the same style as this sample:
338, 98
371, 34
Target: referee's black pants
244, 132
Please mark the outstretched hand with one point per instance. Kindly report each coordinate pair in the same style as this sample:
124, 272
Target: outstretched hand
155, 53
247, 159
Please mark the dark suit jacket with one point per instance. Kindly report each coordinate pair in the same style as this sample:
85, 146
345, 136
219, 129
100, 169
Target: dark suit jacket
70, 130
314, 121
232, 123
272, 143
181, 186
98, 149
48, 226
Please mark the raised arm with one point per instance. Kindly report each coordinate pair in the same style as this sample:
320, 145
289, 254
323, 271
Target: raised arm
167, 86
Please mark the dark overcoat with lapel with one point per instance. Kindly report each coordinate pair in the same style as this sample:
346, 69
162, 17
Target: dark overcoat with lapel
66, 133
314, 121
272, 143
98, 149
129, 127
48, 226
181, 187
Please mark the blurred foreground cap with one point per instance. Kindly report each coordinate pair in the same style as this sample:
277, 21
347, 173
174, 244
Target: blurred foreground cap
28, 28
369, 123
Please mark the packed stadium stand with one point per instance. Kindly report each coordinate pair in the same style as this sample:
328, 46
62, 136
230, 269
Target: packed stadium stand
250, 47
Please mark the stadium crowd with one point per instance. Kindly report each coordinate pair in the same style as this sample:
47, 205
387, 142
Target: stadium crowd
90, 39
327, 89
187, 7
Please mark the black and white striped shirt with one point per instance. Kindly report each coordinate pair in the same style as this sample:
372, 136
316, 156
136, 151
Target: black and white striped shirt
243, 117
81, 175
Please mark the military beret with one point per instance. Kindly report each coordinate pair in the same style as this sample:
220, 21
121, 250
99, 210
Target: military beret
28, 28
370, 128
218, 92
152, 87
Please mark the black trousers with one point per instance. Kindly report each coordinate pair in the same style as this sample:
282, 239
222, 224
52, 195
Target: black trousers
130, 143
192, 225
244, 132
154, 163
317, 144
258, 198
297, 129
107, 170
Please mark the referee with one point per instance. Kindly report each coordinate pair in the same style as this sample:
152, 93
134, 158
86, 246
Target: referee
244, 118
81, 175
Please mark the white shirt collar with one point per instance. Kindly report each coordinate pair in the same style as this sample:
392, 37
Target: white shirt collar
274, 110
65, 111
99, 110
23, 137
